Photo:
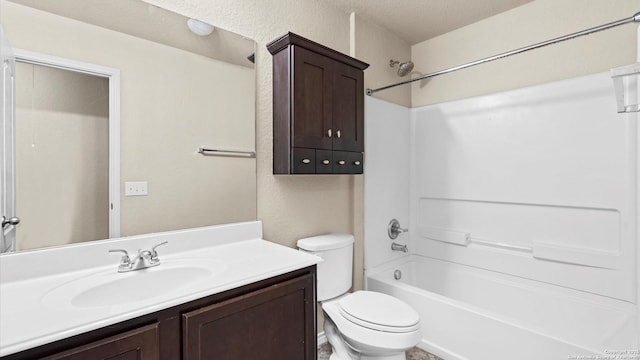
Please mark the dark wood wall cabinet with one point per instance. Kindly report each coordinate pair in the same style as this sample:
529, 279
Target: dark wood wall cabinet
274, 319
318, 108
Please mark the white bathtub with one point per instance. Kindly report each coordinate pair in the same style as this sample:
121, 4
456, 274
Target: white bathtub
475, 314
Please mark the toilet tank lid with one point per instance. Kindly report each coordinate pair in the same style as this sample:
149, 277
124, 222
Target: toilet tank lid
325, 242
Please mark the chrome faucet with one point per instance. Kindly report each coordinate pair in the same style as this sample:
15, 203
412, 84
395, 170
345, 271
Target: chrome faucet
144, 259
398, 247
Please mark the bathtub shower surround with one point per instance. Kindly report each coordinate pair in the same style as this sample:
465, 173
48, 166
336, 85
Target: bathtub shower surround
522, 223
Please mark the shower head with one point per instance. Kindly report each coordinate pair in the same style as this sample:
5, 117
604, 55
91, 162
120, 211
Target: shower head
404, 68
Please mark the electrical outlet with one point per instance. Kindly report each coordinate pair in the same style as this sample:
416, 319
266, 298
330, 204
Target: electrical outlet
135, 188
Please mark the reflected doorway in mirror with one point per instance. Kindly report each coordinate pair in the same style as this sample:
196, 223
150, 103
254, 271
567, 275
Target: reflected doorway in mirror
67, 151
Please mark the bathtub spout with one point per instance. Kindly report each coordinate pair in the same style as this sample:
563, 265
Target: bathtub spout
398, 247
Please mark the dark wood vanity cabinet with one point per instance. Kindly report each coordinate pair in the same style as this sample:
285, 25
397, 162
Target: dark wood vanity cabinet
137, 344
271, 319
318, 108
265, 324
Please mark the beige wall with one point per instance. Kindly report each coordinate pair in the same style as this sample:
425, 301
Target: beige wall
525, 25
293, 207
62, 159
376, 45
172, 102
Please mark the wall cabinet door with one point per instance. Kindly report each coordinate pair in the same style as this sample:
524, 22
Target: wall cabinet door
271, 323
348, 108
328, 103
312, 100
138, 344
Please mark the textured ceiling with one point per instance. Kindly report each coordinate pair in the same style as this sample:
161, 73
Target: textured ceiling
152, 23
418, 20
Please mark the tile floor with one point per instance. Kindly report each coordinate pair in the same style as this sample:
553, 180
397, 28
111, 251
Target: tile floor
324, 351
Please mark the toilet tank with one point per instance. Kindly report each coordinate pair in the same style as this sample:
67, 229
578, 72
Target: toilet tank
335, 272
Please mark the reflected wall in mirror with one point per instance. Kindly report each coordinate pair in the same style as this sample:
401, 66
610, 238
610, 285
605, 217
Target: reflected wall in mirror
62, 156
178, 92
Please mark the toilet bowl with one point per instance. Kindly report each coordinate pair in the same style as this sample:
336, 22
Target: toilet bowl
370, 325
362, 325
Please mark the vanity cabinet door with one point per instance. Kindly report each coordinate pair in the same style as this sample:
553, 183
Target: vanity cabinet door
277, 322
138, 344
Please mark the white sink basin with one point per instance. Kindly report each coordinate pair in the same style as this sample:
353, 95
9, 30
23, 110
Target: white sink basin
110, 288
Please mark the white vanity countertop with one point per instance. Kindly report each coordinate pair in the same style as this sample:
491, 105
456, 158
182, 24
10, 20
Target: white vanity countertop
28, 317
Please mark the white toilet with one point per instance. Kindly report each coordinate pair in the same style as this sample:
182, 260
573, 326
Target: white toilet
364, 324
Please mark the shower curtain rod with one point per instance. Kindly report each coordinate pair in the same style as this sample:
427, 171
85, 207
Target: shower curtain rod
634, 18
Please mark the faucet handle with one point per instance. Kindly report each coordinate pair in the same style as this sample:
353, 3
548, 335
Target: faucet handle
126, 260
394, 229
154, 253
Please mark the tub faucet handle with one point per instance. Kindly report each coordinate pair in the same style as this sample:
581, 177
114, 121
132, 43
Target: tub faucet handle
394, 229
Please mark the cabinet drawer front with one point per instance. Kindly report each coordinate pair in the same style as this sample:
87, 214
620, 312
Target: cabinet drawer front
347, 162
303, 161
138, 344
324, 162
271, 323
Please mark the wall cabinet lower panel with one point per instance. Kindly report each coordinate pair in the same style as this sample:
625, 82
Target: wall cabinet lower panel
271, 319
317, 161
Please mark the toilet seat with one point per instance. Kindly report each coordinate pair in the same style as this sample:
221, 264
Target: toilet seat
378, 311
366, 339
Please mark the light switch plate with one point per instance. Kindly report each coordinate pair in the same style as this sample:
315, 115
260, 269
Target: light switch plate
135, 188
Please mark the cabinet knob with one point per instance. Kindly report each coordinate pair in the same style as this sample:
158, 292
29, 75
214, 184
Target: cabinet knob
329, 133
306, 161
325, 161
341, 162
357, 163
338, 134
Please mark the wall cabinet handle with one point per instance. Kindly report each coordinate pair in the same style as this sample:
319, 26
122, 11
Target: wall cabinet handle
341, 162
325, 161
306, 161
329, 133
338, 134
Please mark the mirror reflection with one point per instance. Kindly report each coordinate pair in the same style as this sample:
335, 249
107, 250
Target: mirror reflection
107, 143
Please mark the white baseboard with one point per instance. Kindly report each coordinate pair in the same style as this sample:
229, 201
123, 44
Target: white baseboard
322, 338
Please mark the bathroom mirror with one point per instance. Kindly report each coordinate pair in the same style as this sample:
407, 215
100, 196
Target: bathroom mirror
178, 92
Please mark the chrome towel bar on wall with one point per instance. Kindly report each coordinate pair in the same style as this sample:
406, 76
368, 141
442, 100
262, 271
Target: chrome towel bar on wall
220, 152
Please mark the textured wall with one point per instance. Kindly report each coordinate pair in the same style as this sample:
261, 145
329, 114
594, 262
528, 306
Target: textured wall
291, 207
537, 21
375, 45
